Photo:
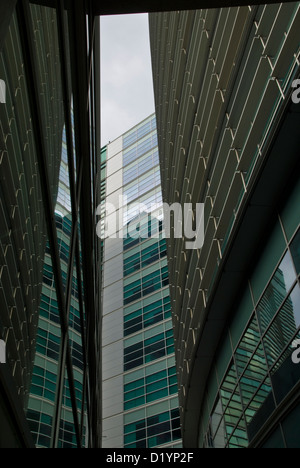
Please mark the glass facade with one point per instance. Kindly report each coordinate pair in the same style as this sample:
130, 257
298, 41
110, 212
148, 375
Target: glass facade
43, 388
48, 194
148, 395
227, 130
156, 430
254, 365
23, 225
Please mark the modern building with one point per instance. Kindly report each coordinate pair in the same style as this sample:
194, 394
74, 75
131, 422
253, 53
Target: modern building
228, 133
43, 398
50, 322
51, 260
140, 392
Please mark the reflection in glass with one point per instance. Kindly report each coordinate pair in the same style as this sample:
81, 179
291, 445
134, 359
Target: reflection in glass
41, 406
63, 212
220, 438
228, 385
247, 346
67, 436
231, 400
283, 327
295, 250
253, 376
216, 417
233, 411
153, 431
265, 372
258, 399
239, 437
75, 336
276, 292
295, 301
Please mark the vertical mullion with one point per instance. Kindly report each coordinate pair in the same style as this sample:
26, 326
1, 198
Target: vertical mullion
80, 74
83, 329
74, 237
59, 393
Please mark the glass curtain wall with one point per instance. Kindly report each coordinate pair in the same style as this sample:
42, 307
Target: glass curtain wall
255, 365
49, 251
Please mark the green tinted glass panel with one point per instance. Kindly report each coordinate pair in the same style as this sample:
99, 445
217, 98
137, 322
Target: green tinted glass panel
134, 403
157, 385
134, 394
258, 399
283, 328
155, 377
277, 291
247, 346
157, 395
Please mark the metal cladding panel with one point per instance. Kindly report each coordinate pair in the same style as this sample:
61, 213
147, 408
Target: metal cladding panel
213, 142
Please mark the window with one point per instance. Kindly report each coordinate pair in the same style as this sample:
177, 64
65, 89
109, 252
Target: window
140, 166
151, 281
145, 314
154, 387
138, 132
153, 431
277, 290
149, 350
283, 327
133, 356
143, 146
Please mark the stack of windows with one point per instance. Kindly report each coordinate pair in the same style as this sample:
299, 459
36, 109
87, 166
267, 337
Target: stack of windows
147, 310
156, 430
42, 400
102, 198
136, 273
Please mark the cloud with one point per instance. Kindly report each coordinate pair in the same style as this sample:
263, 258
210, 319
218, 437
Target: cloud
123, 70
127, 88
112, 111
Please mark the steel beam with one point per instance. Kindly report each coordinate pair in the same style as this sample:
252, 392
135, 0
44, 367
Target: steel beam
118, 7
81, 101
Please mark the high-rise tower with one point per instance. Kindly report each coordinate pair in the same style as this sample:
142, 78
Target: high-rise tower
140, 394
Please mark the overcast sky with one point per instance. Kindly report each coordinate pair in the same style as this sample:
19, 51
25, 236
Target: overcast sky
127, 89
